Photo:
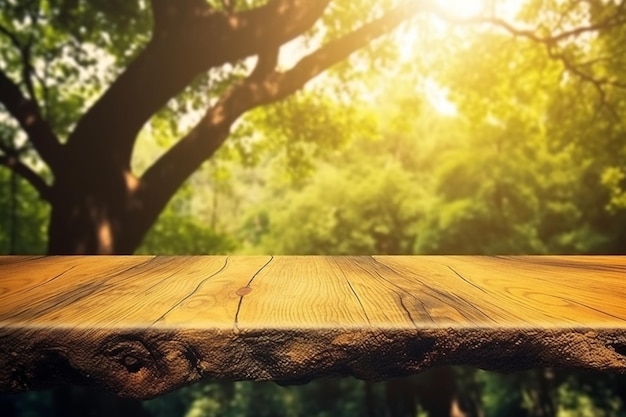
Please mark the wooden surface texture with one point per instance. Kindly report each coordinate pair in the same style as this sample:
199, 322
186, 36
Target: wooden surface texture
140, 326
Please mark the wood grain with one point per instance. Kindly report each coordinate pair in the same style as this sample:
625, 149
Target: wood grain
140, 326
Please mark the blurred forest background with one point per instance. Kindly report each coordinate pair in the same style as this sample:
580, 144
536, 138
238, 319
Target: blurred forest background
441, 137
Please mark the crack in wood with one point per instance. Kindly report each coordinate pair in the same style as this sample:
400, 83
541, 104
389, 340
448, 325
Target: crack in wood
467, 280
383, 265
236, 324
88, 287
191, 293
462, 301
594, 309
439, 295
399, 297
60, 275
60, 301
410, 316
442, 296
49, 280
180, 268
355, 293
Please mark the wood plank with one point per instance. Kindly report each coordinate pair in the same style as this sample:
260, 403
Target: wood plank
575, 290
140, 326
311, 291
137, 296
528, 291
22, 274
47, 284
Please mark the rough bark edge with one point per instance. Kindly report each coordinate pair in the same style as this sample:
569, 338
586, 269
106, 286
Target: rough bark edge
144, 363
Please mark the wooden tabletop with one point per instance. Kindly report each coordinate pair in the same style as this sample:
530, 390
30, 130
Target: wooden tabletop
140, 326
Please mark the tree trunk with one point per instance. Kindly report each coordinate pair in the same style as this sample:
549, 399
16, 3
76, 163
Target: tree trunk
78, 229
95, 209
400, 397
439, 397
88, 227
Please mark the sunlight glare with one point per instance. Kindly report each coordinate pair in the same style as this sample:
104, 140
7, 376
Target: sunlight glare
437, 96
462, 8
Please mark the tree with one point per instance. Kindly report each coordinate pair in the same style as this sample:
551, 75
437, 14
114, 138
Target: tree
98, 205
76, 150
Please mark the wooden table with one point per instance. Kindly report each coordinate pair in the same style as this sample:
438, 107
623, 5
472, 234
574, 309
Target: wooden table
140, 326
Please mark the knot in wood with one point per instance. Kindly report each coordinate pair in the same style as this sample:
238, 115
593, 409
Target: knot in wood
132, 364
243, 291
132, 354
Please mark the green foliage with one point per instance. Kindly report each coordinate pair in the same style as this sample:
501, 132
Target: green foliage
614, 179
362, 211
177, 232
174, 234
23, 217
300, 129
75, 47
321, 398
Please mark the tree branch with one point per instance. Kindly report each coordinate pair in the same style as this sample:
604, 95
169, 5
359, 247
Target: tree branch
573, 68
29, 117
266, 64
597, 83
17, 166
616, 19
164, 177
189, 37
25, 51
12, 37
552, 41
551, 44
27, 73
279, 85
